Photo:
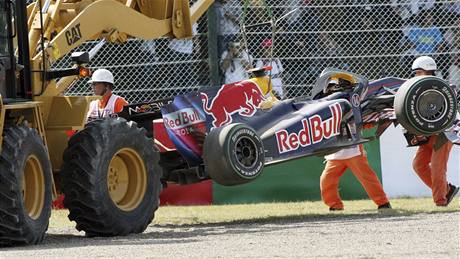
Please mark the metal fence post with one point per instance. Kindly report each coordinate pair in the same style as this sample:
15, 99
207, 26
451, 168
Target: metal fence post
213, 55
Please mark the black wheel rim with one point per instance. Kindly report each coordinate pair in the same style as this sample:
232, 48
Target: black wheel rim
246, 152
431, 106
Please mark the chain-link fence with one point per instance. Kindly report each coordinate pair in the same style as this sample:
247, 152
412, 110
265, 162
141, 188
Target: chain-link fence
147, 70
372, 38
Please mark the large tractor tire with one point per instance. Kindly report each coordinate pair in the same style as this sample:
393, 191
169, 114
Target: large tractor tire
111, 178
425, 105
233, 154
25, 187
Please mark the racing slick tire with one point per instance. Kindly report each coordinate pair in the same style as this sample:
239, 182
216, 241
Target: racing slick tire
425, 105
111, 178
233, 154
25, 187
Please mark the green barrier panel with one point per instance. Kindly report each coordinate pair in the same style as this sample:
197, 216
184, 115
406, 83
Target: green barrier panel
296, 180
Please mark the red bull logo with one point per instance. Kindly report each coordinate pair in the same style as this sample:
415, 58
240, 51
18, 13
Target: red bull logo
314, 130
243, 98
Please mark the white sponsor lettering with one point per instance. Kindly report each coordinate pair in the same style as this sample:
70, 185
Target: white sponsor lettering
182, 118
314, 130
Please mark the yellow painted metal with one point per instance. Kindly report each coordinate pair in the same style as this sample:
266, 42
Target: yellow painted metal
52, 91
21, 105
37, 113
33, 187
32, 113
57, 143
127, 179
160, 9
70, 23
30, 9
90, 24
66, 25
199, 9
68, 112
181, 24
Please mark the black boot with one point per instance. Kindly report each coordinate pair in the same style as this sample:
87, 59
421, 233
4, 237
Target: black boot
385, 206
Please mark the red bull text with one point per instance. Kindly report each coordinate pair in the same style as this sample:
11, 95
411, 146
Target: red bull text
314, 130
180, 120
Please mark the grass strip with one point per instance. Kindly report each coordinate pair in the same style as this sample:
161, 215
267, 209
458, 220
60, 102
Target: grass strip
275, 212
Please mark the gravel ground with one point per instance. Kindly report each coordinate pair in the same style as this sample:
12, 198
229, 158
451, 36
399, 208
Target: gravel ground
435, 235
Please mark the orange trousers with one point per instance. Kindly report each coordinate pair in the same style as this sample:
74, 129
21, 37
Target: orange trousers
360, 167
431, 167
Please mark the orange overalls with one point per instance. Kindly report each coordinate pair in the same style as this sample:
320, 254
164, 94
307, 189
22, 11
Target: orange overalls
431, 167
359, 166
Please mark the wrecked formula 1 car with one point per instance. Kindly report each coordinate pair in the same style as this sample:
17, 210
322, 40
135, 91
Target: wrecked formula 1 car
223, 134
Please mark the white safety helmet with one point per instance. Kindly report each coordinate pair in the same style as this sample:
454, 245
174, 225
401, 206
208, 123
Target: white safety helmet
102, 76
425, 63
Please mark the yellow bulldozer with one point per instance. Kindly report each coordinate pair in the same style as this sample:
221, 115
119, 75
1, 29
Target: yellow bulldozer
108, 173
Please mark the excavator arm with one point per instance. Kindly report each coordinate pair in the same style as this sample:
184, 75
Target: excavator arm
68, 24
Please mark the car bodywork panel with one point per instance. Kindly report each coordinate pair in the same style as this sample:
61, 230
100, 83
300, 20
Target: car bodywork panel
292, 128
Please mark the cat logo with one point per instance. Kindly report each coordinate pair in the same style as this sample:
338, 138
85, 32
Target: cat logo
73, 35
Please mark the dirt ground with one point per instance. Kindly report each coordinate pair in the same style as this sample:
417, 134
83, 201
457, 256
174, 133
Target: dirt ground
426, 235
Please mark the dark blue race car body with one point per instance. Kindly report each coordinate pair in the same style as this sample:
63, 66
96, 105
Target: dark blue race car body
292, 128
203, 126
